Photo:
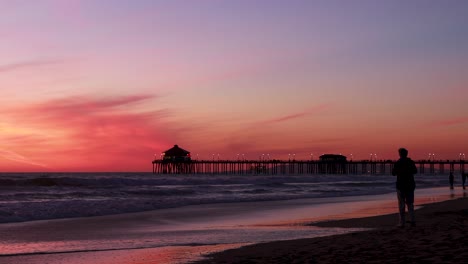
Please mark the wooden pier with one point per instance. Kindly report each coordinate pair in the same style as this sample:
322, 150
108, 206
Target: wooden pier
295, 167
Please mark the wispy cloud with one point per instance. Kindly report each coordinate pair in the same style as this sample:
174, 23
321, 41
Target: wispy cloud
449, 122
314, 110
13, 156
87, 133
82, 105
263, 137
27, 64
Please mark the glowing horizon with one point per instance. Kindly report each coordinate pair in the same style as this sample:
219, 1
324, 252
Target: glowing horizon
104, 86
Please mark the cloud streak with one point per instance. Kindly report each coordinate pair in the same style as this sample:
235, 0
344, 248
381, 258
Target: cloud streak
449, 122
264, 136
79, 106
26, 65
12, 156
280, 119
86, 133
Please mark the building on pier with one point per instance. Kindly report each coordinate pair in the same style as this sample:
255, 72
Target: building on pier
176, 154
332, 158
332, 164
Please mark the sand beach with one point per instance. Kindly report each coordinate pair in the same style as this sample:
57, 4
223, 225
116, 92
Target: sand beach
441, 236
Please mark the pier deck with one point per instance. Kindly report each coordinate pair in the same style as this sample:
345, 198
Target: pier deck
290, 167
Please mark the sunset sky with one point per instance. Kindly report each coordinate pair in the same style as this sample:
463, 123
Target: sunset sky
106, 85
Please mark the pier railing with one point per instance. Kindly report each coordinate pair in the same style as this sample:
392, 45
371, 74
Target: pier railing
290, 167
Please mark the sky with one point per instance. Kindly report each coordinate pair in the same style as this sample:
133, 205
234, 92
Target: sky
109, 85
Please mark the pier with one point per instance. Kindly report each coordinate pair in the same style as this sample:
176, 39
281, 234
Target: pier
295, 167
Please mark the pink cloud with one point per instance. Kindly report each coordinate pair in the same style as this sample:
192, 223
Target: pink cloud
81, 106
450, 122
13, 156
313, 110
254, 138
84, 133
26, 64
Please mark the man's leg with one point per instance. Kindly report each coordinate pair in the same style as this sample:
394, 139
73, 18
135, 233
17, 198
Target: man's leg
401, 207
410, 204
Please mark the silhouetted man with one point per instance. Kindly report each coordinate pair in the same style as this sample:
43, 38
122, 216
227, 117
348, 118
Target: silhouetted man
405, 169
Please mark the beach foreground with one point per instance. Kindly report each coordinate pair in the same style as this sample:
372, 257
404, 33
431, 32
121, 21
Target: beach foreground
441, 236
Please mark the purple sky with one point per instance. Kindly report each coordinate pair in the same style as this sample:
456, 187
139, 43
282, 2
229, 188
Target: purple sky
87, 85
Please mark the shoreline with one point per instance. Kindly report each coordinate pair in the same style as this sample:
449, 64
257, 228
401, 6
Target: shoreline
440, 236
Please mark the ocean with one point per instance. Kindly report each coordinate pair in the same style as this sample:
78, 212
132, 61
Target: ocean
40, 196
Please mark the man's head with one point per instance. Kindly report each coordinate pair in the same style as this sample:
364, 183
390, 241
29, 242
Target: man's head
403, 152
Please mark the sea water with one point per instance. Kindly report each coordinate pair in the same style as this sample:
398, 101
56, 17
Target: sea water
39, 196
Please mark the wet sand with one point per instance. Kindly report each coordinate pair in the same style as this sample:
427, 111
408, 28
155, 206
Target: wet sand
440, 236
137, 235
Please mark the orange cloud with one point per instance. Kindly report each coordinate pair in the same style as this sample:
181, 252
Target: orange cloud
86, 134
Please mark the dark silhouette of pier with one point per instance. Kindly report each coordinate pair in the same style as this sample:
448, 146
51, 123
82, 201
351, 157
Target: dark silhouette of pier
290, 167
